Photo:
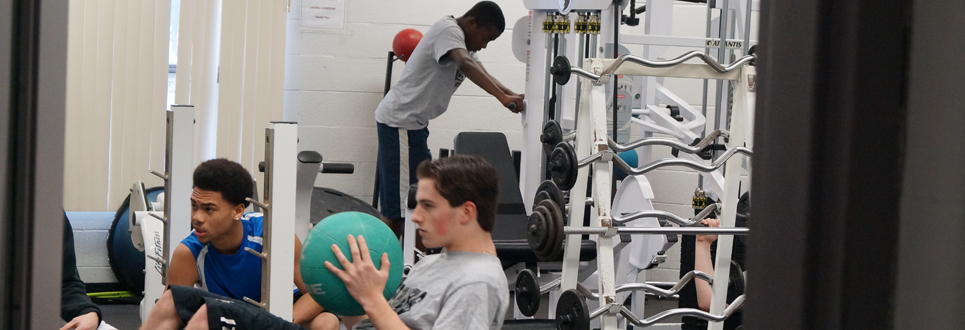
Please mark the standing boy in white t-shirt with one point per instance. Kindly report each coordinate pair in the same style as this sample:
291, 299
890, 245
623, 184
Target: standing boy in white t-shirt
444, 58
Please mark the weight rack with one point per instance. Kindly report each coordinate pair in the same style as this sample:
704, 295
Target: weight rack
568, 168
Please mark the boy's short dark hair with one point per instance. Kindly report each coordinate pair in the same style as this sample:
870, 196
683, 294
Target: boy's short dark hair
227, 177
487, 13
462, 178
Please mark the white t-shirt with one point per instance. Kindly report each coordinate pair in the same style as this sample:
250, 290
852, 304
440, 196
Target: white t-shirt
428, 80
452, 290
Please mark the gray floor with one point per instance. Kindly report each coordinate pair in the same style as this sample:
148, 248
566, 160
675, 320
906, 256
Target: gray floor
122, 317
125, 317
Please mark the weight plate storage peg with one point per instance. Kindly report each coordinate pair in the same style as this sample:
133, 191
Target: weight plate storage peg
527, 292
552, 134
561, 70
536, 231
572, 312
563, 166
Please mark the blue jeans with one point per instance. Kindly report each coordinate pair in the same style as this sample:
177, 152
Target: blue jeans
400, 153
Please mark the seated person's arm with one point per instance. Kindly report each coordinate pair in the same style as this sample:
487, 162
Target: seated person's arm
76, 306
183, 269
703, 263
469, 67
305, 309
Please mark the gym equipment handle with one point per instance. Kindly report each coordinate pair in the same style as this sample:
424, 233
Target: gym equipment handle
681, 162
657, 230
337, 168
669, 216
677, 61
716, 66
668, 142
512, 105
733, 307
650, 288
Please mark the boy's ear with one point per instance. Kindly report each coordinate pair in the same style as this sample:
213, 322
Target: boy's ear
239, 210
467, 212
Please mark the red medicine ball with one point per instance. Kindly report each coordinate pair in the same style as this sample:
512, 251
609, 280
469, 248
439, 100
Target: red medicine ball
405, 42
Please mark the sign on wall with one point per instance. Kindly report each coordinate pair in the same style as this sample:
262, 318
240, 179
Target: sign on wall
323, 14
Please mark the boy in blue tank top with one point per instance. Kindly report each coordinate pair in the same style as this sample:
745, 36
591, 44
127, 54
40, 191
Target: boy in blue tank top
219, 272
214, 258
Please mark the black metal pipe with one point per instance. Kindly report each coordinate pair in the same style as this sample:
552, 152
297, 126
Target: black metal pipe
388, 84
388, 72
553, 101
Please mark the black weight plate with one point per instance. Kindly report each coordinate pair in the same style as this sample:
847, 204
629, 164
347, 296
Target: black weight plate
563, 166
571, 154
561, 70
527, 292
572, 312
556, 194
557, 164
545, 252
552, 134
736, 281
536, 231
557, 219
743, 214
541, 196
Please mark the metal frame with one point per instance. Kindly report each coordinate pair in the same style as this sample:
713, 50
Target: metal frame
592, 124
175, 220
656, 120
278, 253
34, 179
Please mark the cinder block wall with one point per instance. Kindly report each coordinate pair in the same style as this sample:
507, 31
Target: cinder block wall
334, 81
90, 245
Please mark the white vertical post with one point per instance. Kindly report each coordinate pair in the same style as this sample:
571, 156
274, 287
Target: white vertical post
179, 186
584, 142
532, 119
567, 94
732, 176
408, 238
178, 169
282, 148
606, 278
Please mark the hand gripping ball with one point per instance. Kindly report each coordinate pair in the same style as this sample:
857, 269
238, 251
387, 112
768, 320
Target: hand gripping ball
324, 286
405, 42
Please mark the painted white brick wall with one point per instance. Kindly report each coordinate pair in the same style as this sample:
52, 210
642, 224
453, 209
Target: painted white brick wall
90, 245
334, 81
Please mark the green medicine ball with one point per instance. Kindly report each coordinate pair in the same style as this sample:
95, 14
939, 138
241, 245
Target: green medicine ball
324, 286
